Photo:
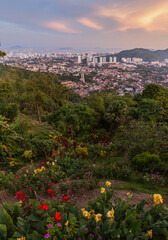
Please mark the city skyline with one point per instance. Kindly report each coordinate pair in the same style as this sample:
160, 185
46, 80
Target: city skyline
75, 23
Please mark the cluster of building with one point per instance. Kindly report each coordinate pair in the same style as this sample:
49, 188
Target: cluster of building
87, 73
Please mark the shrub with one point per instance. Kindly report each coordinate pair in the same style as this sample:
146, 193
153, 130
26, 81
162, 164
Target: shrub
146, 161
164, 157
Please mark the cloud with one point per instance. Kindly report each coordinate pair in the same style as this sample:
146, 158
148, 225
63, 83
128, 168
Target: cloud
144, 14
89, 23
59, 26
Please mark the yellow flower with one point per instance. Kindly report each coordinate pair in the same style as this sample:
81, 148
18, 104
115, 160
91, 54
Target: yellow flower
48, 163
22, 238
36, 171
110, 214
86, 214
149, 234
157, 199
53, 163
92, 211
66, 224
103, 190
43, 168
97, 217
129, 194
108, 184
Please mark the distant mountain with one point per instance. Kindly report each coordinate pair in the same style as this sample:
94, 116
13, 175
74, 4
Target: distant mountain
147, 55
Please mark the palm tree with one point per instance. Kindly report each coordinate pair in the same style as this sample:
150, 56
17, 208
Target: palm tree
116, 110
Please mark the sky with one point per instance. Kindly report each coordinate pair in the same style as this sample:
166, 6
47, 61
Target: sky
54, 24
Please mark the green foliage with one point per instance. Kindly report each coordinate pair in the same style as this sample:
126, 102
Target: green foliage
10, 141
2, 54
146, 161
153, 91
79, 117
164, 157
101, 219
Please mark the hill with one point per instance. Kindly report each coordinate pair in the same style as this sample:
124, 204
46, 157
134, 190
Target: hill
147, 55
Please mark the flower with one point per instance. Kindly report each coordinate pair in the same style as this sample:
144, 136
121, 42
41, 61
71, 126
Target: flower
48, 163
157, 199
59, 224
149, 234
53, 163
21, 196
103, 190
47, 235
66, 198
66, 224
43, 206
86, 214
108, 184
110, 214
86, 229
22, 238
57, 217
129, 194
50, 226
97, 217
50, 192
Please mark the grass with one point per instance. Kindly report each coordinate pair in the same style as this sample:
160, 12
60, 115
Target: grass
144, 188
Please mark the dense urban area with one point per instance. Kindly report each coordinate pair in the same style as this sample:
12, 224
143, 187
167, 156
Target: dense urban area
91, 72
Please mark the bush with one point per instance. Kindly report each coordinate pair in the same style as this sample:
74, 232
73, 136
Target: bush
164, 157
146, 161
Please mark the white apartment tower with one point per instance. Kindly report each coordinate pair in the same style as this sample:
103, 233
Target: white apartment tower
82, 77
79, 59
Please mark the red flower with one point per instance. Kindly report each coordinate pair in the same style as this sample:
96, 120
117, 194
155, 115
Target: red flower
21, 196
57, 217
52, 156
66, 198
147, 203
43, 206
50, 192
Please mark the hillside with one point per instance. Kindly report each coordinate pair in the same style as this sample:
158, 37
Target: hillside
146, 54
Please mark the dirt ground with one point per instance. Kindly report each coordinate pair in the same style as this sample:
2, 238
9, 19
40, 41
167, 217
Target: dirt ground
84, 195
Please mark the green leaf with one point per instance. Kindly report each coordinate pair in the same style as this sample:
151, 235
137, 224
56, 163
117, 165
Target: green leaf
3, 231
23, 225
35, 236
5, 218
136, 225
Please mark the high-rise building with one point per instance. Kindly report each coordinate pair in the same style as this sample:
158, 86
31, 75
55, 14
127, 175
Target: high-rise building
104, 59
110, 60
100, 62
79, 59
114, 59
82, 77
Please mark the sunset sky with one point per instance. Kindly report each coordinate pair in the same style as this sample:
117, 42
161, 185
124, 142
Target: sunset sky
84, 23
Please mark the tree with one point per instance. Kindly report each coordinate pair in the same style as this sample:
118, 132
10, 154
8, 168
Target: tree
2, 54
115, 112
154, 91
